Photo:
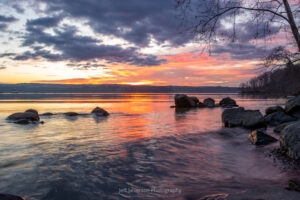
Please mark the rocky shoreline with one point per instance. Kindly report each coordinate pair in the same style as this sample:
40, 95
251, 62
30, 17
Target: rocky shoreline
285, 121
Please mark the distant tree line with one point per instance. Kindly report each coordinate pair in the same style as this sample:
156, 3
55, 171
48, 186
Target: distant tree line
282, 75
281, 81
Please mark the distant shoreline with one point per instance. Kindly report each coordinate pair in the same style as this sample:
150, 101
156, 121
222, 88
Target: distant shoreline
66, 88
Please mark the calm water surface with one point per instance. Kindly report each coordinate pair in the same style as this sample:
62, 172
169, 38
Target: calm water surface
143, 150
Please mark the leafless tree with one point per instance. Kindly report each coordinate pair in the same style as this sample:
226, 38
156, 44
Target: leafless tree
280, 57
209, 18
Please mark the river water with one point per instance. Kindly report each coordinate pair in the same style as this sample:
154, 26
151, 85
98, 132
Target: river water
143, 150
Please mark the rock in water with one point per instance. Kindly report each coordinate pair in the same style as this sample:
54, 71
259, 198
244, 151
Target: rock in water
195, 99
201, 105
228, 102
259, 137
71, 114
47, 114
273, 109
99, 112
290, 140
234, 117
277, 118
10, 197
183, 101
292, 106
30, 116
209, 102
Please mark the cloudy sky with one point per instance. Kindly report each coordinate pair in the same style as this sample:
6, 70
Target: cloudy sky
120, 42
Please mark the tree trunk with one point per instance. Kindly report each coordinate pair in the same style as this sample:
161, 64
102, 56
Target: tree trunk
292, 23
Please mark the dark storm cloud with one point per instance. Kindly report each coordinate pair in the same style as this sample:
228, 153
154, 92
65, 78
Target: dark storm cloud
71, 46
240, 51
7, 55
7, 19
44, 21
136, 21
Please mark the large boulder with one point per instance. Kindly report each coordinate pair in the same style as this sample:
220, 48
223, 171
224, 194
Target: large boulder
209, 102
228, 102
183, 101
280, 127
234, 117
29, 115
259, 137
10, 197
273, 109
99, 112
277, 118
290, 140
292, 106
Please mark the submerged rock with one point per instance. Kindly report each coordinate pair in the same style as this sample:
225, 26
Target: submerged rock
47, 114
228, 102
10, 197
290, 140
234, 117
209, 102
71, 114
292, 106
259, 137
278, 117
183, 101
273, 109
22, 121
99, 112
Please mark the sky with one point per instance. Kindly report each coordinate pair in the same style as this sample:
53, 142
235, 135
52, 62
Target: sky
137, 42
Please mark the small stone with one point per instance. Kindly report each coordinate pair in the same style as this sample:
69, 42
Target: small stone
259, 137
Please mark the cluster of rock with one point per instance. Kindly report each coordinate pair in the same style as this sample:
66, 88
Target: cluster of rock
184, 101
286, 120
32, 116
